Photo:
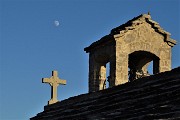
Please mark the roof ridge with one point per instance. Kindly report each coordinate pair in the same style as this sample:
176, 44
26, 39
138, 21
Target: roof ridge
130, 25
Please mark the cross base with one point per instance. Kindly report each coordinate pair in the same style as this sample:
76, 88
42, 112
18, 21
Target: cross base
52, 101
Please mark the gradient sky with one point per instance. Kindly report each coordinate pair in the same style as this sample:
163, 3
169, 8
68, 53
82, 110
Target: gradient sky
31, 46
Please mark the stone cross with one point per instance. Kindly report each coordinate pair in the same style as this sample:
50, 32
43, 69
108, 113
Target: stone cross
54, 81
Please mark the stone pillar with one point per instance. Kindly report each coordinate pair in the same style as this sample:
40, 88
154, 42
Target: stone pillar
121, 68
102, 77
112, 76
93, 73
165, 60
156, 65
121, 72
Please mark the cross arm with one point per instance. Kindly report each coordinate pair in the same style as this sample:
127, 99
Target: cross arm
62, 82
46, 80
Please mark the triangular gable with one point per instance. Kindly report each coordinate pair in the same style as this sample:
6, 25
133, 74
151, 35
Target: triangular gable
130, 25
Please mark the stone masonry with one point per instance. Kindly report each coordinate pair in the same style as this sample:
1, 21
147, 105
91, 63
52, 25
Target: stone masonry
129, 49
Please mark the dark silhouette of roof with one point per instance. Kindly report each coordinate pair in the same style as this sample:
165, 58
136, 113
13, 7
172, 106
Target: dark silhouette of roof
153, 97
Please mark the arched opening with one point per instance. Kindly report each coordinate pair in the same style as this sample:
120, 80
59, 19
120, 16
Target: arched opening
142, 64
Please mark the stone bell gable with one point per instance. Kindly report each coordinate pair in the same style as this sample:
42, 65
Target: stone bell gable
129, 49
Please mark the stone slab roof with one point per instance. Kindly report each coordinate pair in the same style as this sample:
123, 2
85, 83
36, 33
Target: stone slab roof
153, 97
130, 25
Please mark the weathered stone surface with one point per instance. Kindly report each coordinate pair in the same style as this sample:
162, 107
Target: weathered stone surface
148, 98
54, 81
131, 46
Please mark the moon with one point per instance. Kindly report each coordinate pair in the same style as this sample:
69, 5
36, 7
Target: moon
56, 23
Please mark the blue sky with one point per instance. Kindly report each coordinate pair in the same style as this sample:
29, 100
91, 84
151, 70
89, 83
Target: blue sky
31, 46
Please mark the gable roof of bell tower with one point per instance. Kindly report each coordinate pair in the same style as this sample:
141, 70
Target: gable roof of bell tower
130, 25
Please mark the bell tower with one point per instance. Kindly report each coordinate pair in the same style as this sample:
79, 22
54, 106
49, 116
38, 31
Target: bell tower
129, 49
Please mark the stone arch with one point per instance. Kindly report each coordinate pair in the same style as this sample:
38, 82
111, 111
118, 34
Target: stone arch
138, 62
143, 46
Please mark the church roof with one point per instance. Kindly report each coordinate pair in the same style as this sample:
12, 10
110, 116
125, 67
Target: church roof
130, 25
152, 97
